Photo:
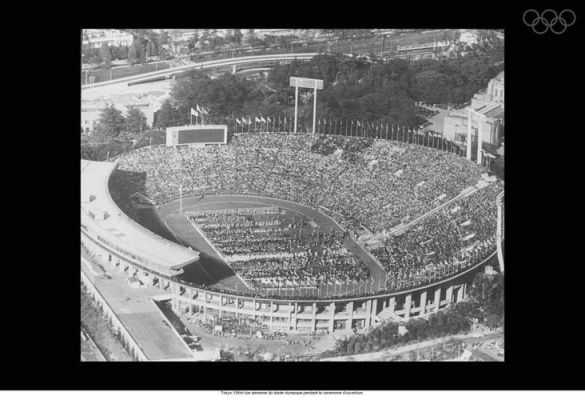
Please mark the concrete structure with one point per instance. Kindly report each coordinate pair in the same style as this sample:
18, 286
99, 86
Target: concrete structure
180, 38
485, 116
214, 64
148, 97
500, 231
316, 315
493, 94
111, 37
106, 231
119, 244
148, 103
456, 124
137, 321
469, 37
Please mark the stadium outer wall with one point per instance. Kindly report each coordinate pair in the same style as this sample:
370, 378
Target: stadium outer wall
285, 314
302, 315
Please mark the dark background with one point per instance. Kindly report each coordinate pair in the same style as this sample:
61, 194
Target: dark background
544, 135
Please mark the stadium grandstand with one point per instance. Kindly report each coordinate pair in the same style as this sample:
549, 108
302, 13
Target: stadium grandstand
409, 223
371, 189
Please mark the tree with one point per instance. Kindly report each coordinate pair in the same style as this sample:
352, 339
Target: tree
105, 55
256, 42
132, 55
135, 120
194, 42
167, 115
222, 97
110, 123
163, 39
487, 292
141, 49
150, 49
237, 36
250, 36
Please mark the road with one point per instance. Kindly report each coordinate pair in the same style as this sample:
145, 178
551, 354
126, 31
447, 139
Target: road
202, 65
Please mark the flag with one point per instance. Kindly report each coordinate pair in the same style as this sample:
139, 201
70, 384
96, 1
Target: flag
238, 121
204, 111
256, 119
262, 119
470, 236
198, 108
268, 119
193, 112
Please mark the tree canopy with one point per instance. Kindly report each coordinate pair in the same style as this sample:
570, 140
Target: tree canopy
111, 122
135, 120
354, 87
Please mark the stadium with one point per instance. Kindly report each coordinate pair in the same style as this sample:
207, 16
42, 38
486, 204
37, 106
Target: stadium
296, 231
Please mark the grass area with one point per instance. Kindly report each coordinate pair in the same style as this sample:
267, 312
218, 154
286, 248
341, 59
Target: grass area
98, 326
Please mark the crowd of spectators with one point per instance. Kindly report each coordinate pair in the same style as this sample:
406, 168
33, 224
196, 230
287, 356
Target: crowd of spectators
270, 250
381, 185
443, 243
388, 182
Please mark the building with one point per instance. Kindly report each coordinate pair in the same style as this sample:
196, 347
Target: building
469, 37
148, 103
493, 94
487, 106
179, 39
94, 38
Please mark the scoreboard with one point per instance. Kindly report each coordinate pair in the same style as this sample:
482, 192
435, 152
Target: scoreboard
196, 135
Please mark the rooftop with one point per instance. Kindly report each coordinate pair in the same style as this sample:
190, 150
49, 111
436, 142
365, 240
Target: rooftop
101, 215
141, 316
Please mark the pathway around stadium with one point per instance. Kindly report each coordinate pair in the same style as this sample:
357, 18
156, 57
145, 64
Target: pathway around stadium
299, 345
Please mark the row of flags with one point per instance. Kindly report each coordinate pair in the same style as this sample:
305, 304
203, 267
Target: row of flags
365, 124
199, 111
378, 128
256, 119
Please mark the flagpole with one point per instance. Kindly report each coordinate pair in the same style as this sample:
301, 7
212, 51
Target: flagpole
181, 199
314, 108
296, 102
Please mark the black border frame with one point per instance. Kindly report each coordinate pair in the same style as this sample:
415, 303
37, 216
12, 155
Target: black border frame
543, 306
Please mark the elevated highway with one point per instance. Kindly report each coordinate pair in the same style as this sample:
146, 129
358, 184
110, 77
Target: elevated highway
214, 64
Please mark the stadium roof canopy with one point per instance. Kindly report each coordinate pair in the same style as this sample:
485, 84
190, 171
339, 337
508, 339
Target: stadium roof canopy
102, 216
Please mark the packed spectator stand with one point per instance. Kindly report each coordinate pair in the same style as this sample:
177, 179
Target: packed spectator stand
367, 185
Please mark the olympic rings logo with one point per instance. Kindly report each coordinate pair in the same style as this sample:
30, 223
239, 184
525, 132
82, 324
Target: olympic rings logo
541, 23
